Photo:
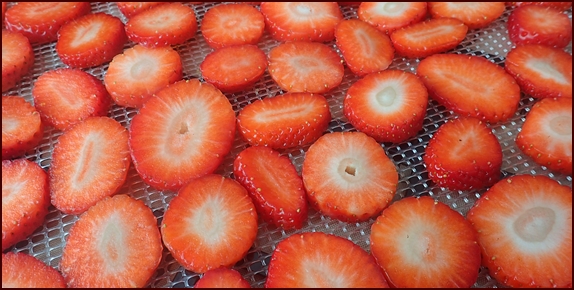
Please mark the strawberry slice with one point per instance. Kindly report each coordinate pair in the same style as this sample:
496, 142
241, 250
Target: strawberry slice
475, 15
4, 6
115, 244
546, 135
535, 24
134, 76
301, 21
390, 16
541, 71
21, 270
183, 133
90, 40
17, 58
301, 66
470, 86
129, 9
319, 260
232, 24
348, 176
423, 243
222, 278
22, 128
389, 106
284, 121
209, 224
524, 226
25, 200
274, 186
560, 5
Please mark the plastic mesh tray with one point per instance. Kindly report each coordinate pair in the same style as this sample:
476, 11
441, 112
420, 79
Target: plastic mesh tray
492, 42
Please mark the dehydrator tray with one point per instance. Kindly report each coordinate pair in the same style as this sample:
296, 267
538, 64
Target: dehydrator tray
491, 42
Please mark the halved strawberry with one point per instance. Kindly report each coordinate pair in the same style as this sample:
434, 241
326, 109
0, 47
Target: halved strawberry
389, 106
348, 176
302, 66
474, 14
423, 243
222, 277
524, 226
162, 25
232, 24
17, 58
284, 121
115, 244
301, 21
182, 133
535, 24
20, 270
390, 16
319, 260
560, 5
541, 71
25, 200
134, 76
546, 135
22, 128
129, 9
90, 40
470, 86
210, 223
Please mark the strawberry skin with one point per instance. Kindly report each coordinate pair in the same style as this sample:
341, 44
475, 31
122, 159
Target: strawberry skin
535, 24
475, 15
129, 9
390, 16
232, 24
20, 270
22, 128
17, 58
222, 278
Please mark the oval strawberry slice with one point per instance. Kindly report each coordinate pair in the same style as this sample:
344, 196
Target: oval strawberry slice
390, 16
222, 278
21, 270
22, 128
17, 58
535, 24
474, 14
232, 24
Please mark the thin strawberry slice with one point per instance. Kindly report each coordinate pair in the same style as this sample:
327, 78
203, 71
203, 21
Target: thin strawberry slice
301, 66
183, 133
560, 5
470, 86
530, 217
21, 270
222, 278
274, 186
348, 176
364, 48
25, 200
22, 128
129, 9
422, 243
389, 106
17, 58
284, 121
232, 24
115, 244
211, 223
319, 260
475, 15
134, 76
390, 16
535, 24
546, 135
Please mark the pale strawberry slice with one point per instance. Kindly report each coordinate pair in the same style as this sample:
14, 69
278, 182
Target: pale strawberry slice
541, 71
17, 58
25, 200
22, 128
211, 223
232, 24
129, 9
115, 244
348, 176
183, 133
138, 73
524, 226
546, 135
474, 14
470, 86
222, 278
535, 24
319, 260
422, 243
21, 270
302, 66
284, 121
389, 106
560, 5
390, 16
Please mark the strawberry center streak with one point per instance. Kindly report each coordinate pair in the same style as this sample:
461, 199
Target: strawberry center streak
547, 71
562, 125
535, 224
86, 162
85, 34
386, 97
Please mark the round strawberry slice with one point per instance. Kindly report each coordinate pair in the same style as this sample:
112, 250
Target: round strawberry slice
535, 24
390, 16
222, 278
474, 14
524, 226
232, 24
22, 128
17, 58
129, 9
21, 270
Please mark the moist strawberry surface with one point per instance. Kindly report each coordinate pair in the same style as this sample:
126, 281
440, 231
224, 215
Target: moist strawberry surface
232, 24
222, 278
473, 14
129, 9
390, 16
20, 270
17, 58
535, 24
22, 127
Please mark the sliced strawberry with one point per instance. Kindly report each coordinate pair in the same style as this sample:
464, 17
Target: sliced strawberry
470, 86
232, 24
115, 244
17, 58
129, 9
4, 6
524, 226
284, 121
319, 260
134, 76
560, 5
210, 223
25, 200
541, 71
474, 14
22, 127
183, 133
21, 270
535, 24
390, 16
222, 278
423, 243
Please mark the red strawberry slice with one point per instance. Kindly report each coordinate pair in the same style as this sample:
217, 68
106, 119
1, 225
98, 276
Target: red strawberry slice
524, 226
319, 260
348, 176
390, 16
474, 14
389, 106
301, 21
301, 66
470, 86
183, 133
535, 24
17, 58
222, 278
134, 76
115, 244
274, 186
232, 24
364, 48
423, 243
209, 224
25, 200
90, 40
21, 270
284, 121
541, 71
22, 128
129, 9
4, 6
546, 135
560, 5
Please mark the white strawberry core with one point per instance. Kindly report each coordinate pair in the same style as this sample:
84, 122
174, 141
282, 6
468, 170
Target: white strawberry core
535, 224
546, 70
111, 243
210, 220
349, 169
141, 69
9, 125
303, 10
394, 8
387, 96
85, 34
562, 125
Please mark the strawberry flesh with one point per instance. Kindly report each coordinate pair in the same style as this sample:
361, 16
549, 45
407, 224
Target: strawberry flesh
475, 15
232, 24
17, 58
20, 270
22, 128
390, 16
129, 9
560, 5
535, 24
222, 278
